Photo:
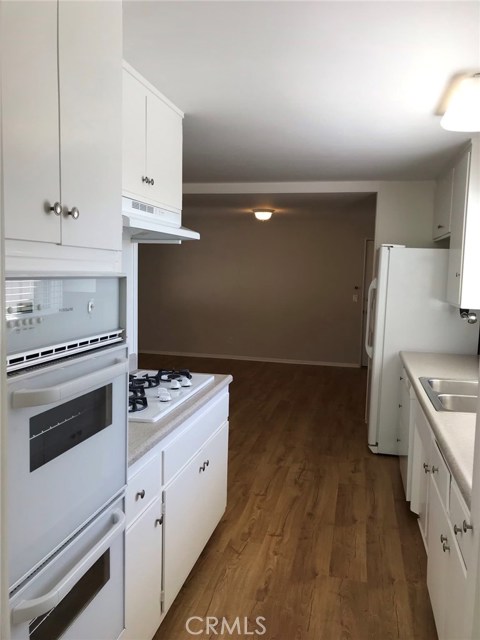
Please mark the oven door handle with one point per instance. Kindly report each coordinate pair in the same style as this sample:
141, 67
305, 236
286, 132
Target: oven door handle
23, 398
29, 609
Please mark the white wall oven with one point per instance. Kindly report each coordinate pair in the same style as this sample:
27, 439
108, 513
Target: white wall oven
67, 372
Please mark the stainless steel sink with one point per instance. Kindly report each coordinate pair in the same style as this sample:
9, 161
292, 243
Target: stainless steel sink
452, 395
456, 387
452, 402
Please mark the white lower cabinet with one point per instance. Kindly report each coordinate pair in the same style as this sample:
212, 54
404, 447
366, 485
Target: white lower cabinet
194, 503
169, 524
446, 574
442, 514
143, 574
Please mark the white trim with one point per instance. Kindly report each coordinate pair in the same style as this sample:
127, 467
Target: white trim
222, 356
282, 187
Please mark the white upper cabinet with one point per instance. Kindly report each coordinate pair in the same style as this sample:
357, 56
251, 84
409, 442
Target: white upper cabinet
61, 97
443, 205
152, 145
464, 259
30, 132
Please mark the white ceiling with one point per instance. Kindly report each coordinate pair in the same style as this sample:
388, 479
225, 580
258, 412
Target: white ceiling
306, 91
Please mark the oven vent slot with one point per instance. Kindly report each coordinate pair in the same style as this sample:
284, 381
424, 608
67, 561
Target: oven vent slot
19, 361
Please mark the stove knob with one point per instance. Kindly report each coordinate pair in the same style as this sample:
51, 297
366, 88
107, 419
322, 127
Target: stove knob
175, 384
164, 396
10, 324
186, 382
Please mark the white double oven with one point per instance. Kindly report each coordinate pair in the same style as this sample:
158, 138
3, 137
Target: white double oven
67, 373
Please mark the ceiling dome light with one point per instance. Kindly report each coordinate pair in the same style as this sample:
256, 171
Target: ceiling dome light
463, 111
263, 214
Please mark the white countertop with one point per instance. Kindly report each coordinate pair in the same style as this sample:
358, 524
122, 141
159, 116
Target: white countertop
454, 431
143, 436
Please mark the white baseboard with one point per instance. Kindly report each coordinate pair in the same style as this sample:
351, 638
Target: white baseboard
352, 365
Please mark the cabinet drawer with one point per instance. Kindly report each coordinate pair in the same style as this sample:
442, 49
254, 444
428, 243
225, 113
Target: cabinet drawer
143, 488
460, 516
440, 473
196, 433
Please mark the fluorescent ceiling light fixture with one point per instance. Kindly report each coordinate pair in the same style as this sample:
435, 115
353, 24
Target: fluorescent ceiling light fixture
463, 111
263, 214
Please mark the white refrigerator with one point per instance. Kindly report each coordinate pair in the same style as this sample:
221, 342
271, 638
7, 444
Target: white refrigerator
406, 311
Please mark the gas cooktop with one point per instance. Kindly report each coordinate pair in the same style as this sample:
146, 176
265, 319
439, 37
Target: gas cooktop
153, 394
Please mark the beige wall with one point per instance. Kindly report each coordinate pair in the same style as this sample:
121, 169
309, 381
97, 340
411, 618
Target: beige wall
405, 213
276, 290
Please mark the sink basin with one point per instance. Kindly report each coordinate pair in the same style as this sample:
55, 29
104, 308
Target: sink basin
452, 395
451, 402
456, 387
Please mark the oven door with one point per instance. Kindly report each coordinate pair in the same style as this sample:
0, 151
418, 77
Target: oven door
66, 452
79, 593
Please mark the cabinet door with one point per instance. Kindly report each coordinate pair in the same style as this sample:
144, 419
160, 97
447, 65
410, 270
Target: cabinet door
134, 119
418, 503
437, 565
456, 592
459, 203
143, 575
90, 56
443, 205
194, 503
30, 120
164, 153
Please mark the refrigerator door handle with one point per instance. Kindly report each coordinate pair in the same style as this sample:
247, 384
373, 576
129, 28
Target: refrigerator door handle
368, 346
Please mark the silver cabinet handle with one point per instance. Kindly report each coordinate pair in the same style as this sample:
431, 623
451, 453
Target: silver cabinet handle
456, 530
159, 521
467, 526
440, 226
434, 469
445, 547
74, 213
443, 538
145, 179
426, 468
56, 208
152, 181
202, 468
140, 495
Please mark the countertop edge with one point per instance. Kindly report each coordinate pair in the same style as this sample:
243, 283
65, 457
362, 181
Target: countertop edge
441, 422
143, 443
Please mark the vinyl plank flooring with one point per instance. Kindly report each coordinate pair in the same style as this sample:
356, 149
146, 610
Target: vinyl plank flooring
317, 538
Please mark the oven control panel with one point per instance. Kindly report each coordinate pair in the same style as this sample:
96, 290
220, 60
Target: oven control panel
45, 311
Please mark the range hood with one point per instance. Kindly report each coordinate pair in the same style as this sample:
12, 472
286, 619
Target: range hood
147, 224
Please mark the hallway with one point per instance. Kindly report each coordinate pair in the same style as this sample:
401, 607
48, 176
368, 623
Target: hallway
317, 538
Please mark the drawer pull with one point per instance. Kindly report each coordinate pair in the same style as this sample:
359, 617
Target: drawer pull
434, 469
207, 463
426, 468
467, 526
443, 538
456, 530
202, 468
445, 547
140, 495
159, 521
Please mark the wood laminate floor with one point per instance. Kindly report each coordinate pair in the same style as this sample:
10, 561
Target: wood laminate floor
317, 538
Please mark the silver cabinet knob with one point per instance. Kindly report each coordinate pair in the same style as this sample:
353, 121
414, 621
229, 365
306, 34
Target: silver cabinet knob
426, 468
152, 181
445, 547
140, 495
443, 538
74, 212
434, 469
147, 180
159, 521
467, 526
56, 208
456, 530
440, 226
